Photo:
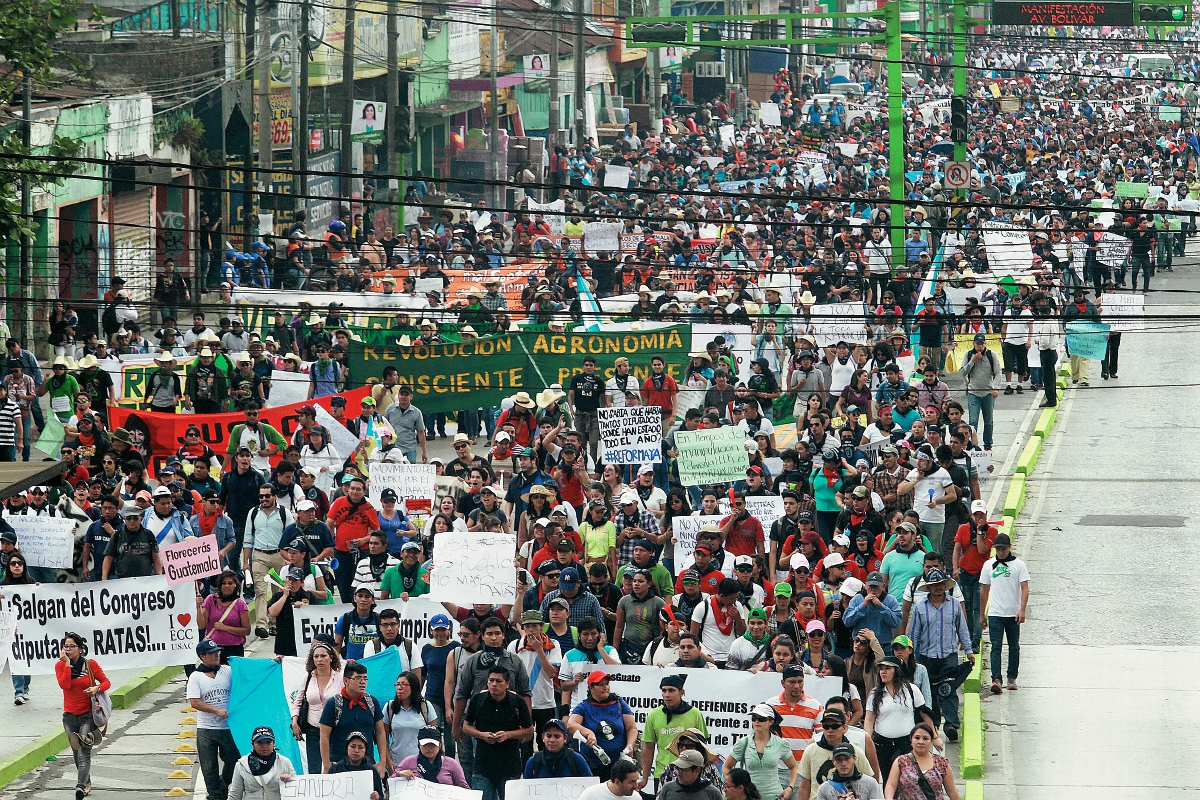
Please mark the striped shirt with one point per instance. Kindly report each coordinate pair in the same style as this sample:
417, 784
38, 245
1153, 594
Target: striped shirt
9, 415
937, 631
801, 722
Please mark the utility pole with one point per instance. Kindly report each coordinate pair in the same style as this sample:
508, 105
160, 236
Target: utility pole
494, 140
175, 21
25, 290
301, 124
265, 132
895, 90
393, 92
552, 135
581, 97
249, 175
347, 167
652, 64
299, 140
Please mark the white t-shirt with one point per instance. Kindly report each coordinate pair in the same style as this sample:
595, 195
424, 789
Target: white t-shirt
718, 643
600, 792
1019, 328
895, 717
572, 669
540, 681
936, 482
213, 690
1005, 578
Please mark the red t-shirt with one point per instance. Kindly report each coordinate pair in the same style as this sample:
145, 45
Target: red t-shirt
971, 561
744, 537
708, 582
352, 523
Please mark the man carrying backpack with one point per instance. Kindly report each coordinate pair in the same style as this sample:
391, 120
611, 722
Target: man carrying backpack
350, 711
555, 759
263, 537
389, 636
356, 628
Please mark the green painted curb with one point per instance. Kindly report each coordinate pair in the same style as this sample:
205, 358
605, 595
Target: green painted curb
1046, 422
974, 791
972, 683
32, 755
971, 751
1029, 456
1015, 498
137, 688
1061, 382
1065, 369
1009, 525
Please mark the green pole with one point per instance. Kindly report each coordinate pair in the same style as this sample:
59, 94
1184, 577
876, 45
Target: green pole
960, 63
896, 164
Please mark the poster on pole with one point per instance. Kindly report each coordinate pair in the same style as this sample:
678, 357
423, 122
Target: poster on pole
368, 123
724, 697
45, 541
474, 568
192, 559
130, 623
769, 114
536, 65
548, 788
410, 482
631, 435
1123, 312
356, 785
716, 455
311, 620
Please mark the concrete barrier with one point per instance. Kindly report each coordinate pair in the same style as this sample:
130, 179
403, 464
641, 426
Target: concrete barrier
975, 680
1046, 422
971, 750
1029, 456
1015, 499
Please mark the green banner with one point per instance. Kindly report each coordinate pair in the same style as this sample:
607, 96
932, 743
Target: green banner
1131, 189
481, 372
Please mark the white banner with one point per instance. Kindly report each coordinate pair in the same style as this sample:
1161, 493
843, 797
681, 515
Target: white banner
46, 541
725, 697
357, 785
726, 133
8, 630
838, 322
414, 620
132, 623
411, 481
548, 788
769, 114
1123, 312
417, 789
616, 176
738, 338
602, 236
553, 214
474, 568
631, 435
683, 531
1113, 249
1008, 249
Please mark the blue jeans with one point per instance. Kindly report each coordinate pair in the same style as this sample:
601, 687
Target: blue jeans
435, 421
490, 414
1000, 628
492, 790
411, 455
20, 685
969, 584
985, 403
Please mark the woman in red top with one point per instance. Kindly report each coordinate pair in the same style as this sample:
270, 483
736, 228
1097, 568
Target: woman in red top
863, 558
80, 678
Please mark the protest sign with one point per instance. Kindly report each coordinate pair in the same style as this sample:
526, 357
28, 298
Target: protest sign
356, 785
311, 620
717, 455
616, 176
474, 568
837, 322
683, 532
1123, 312
982, 461
410, 481
1112, 249
1008, 248
1131, 189
604, 236
738, 338
769, 114
417, 789
631, 435
552, 213
8, 630
128, 623
1087, 339
726, 133
724, 697
194, 558
764, 509
548, 788
45, 541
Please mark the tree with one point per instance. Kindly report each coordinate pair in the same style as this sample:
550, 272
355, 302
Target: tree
28, 31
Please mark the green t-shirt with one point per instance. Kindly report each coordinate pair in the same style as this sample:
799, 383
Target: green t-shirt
395, 583
900, 568
660, 733
62, 396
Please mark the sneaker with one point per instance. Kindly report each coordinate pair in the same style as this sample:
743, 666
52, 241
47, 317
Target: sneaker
1104, 375
261, 633
273, 631
996, 686
1084, 382
20, 700
1008, 390
1020, 390
80, 794
1113, 376
1046, 404
1012, 685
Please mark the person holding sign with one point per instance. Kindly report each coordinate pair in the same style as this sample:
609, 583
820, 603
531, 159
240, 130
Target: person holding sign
356, 761
208, 693
259, 775
430, 763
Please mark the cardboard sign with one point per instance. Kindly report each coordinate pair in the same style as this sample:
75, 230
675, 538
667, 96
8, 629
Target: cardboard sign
602, 236
711, 456
417, 789
684, 531
616, 176
769, 114
548, 788
1087, 339
410, 481
311, 620
1123, 312
339, 786
1113, 249
838, 322
46, 541
474, 568
1008, 249
631, 435
194, 558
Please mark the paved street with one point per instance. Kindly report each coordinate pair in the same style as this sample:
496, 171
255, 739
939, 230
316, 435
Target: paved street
1106, 652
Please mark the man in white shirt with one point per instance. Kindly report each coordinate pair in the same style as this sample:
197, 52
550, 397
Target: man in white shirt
622, 783
932, 489
542, 657
208, 693
1047, 336
1004, 581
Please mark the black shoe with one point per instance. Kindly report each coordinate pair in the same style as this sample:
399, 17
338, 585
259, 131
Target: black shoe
1008, 390
951, 733
79, 794
261, 633
1113, 376
273, 631
1104, 375
1047, 404
1020, 390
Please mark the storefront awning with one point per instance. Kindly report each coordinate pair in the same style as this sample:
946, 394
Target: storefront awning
485, 84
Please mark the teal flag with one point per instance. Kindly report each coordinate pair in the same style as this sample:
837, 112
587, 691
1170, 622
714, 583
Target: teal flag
256, 697
382, 671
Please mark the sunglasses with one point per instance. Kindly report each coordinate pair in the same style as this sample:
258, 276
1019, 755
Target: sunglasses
265, 496
745, 569
761, 719
816, 634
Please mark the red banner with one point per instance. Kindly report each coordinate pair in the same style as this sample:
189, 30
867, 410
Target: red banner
156, 436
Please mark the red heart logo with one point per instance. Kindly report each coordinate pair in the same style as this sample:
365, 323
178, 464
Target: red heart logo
184, 619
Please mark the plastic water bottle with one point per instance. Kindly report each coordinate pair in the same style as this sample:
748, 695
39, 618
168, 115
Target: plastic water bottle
931, 495
600, 754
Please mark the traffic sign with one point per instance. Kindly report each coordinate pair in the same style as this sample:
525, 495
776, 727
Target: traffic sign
957, 174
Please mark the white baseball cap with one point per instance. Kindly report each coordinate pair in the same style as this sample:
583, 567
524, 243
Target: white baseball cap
978, 507
834, 560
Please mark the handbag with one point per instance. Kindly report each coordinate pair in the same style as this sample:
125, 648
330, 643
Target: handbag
102, 706
303, 723
922, 782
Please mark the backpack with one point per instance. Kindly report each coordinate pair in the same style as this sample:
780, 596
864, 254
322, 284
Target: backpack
345, 623
339, 703
283, 517
427, 713
109, 320
539, 760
